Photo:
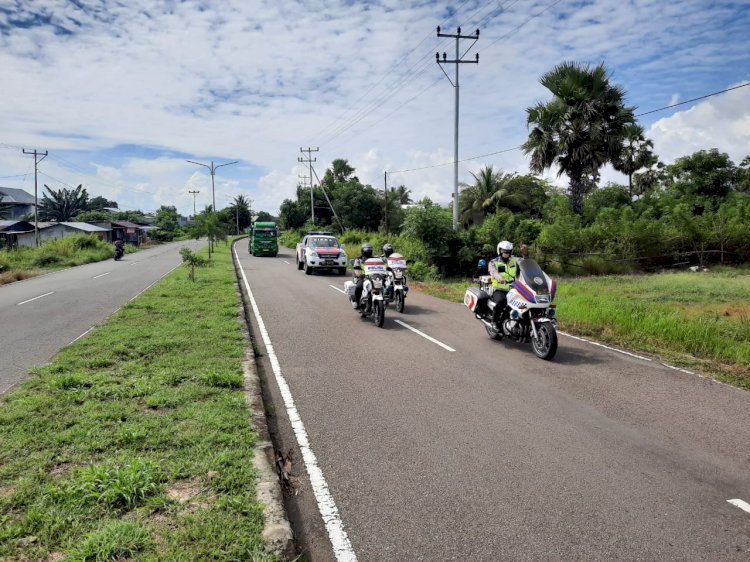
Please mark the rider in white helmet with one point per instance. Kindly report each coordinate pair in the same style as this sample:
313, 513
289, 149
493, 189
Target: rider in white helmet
503, 270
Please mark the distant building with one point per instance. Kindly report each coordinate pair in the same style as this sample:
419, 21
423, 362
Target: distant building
9, 231
17, 202
59, 230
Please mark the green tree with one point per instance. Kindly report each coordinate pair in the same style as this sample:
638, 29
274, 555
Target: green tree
265, 216
636, 153
292, 215
94, 216
192, 260
703, 179
476, 200
62, 205
581, 128
431, 224
132, 216
100, 203
743, 180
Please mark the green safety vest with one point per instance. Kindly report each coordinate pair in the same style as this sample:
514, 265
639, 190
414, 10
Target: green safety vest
511, 268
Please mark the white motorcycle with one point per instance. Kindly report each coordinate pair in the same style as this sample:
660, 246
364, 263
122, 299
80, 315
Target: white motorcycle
529, 314
371, 303
396, 288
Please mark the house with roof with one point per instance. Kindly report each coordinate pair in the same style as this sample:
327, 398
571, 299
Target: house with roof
16, 202
59, 230
9, 231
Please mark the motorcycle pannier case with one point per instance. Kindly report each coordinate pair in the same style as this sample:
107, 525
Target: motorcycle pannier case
349, 288
476, 299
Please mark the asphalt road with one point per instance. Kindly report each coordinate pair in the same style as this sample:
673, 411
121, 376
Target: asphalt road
487, 452
41, 315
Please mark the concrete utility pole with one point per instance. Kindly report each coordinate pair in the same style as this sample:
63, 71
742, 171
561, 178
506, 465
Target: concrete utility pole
213, 168
36, 199
309, 161
457, 61
194, 193
385, 191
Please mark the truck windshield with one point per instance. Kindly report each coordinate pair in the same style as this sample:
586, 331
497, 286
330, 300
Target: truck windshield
266, 233
324, 243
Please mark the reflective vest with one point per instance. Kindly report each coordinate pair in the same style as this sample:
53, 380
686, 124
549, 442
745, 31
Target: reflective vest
509, 275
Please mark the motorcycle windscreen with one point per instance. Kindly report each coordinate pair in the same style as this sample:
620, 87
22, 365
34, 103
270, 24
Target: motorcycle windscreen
372, 266
396, 261
532, 276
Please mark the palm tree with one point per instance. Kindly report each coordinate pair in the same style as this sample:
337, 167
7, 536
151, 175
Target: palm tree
475, 200
64, 204
636, 153
401, 194
581, 128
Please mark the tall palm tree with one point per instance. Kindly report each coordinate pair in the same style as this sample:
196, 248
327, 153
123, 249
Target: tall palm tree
401, 194
636, 153
581, 128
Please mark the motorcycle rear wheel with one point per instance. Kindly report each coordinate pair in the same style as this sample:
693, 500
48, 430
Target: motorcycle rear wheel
545, 345
378, 313
400, 301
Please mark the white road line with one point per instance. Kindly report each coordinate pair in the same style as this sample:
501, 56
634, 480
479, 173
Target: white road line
339, 290
287, 262
433, 340
743, 505
135, 262
152, 284
83, 334
102, 275
342, 548
606, 347
39, 297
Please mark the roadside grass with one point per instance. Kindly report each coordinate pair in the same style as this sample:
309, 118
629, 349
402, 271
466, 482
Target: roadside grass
22, 263
135, 443
694, 320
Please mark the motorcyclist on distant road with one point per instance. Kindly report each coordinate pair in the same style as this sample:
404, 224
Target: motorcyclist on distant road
387, 251
359, 278
503, 270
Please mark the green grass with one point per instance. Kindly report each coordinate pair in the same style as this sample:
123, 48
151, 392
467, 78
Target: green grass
696, 320
79, 249
98, 448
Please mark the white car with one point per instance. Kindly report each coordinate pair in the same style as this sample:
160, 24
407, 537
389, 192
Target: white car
321, 250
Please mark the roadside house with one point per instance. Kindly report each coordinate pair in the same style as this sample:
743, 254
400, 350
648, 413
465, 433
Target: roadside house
9, 231
58, 231
17, 202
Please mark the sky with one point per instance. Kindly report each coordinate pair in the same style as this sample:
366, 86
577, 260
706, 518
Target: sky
120, 93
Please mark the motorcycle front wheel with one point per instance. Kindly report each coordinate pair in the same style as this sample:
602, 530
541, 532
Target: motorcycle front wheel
378, 313
545, 344
492, 333
400, 301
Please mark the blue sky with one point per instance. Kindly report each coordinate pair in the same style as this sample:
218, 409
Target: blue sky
122, 93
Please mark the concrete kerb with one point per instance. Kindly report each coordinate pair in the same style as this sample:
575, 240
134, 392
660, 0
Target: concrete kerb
277, 531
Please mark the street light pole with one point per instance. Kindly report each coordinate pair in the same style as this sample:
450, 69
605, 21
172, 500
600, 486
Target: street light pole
213, 169
194, 193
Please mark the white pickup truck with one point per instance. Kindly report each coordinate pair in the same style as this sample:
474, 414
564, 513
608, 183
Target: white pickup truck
321, 250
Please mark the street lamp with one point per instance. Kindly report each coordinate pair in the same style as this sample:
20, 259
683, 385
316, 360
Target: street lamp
212, 169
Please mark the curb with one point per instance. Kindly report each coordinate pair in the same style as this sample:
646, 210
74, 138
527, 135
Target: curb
277, 530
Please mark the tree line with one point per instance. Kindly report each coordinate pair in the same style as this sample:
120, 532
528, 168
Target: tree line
695, 210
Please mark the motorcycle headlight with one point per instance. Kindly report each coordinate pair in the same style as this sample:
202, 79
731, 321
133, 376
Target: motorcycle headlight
377, 283
398, 274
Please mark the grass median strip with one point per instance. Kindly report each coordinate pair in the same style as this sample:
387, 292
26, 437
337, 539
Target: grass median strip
134, 443
696, 320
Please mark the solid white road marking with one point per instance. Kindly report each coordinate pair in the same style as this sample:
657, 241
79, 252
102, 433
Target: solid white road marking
39, 297
83, 334
743, 505
339, 290
606, 346
342, 548
433, 340
102, 275
288, 263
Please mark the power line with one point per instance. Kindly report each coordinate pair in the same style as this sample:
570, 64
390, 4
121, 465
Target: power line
519, 147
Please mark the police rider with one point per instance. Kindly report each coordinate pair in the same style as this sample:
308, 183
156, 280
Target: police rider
387, 251
357, 268
503, 270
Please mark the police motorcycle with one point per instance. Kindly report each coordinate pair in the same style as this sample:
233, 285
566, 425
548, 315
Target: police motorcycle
396, 288
529, 315
372, 302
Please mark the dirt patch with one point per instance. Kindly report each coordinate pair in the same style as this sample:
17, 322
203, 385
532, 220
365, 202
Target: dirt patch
61, 469
184, 490
6, 491
55, 557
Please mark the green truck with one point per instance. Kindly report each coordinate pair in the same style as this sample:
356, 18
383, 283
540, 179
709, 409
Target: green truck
264, 239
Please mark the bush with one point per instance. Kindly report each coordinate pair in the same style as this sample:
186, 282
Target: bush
420, 271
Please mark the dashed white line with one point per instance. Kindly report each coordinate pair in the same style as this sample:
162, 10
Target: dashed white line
342, 548
287, 262
339, 290
433, 340
102, 275
134, 263
39, 297
743, 505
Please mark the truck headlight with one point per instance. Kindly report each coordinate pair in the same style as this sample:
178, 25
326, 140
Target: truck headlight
313, 254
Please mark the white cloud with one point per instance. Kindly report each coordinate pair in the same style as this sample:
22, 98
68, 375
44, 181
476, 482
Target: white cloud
254, 81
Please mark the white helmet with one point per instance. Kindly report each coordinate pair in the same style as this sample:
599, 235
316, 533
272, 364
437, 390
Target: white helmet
504, 246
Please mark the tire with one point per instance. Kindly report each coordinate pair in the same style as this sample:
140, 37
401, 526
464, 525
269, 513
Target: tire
307, 268
299, 264
378, 313
400, 301
492, 333
342, 271
545, 346
274, 254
